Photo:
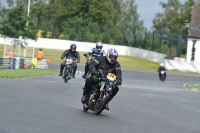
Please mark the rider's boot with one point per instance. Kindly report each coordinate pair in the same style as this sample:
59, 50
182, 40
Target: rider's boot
84, 75
106, 107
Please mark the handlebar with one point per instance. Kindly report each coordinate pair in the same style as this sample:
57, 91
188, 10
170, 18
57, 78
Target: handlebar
68, 59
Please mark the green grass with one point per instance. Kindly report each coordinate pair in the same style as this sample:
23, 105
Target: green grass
20, 73
128, 62
183, 56
194, 86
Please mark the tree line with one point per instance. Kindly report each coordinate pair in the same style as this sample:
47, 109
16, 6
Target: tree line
110, 21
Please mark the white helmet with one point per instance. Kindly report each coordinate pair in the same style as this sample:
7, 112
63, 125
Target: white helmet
161, 65
99, 46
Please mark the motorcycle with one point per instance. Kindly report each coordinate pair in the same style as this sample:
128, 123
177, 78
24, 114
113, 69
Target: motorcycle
100, 94
68, 69
162, 78
88, 57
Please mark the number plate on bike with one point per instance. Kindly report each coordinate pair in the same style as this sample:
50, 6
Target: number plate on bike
68, 61
111, 76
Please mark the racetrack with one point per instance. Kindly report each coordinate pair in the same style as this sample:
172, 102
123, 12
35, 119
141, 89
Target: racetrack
143, 105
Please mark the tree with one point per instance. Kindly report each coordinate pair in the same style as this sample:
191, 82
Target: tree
172, 21
130, 22
15, 24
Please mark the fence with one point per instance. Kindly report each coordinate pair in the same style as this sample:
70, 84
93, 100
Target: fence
18, 47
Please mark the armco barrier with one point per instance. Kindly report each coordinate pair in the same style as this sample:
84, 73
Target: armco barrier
182, 66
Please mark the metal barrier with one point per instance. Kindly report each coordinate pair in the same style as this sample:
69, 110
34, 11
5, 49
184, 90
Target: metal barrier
41, 63
5, 63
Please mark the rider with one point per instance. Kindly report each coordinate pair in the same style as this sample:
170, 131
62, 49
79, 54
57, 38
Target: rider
161, 68
72, 53
95, 52
103, 65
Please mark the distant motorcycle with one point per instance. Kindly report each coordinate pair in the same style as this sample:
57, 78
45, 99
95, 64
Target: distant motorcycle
68, 69
162, 78
100, 94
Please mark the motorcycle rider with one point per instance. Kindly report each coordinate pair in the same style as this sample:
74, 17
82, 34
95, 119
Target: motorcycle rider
103, 65
75, 56
161, 68
95, 52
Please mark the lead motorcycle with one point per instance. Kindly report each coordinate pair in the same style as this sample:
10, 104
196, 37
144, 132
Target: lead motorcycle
68, 69
100, 94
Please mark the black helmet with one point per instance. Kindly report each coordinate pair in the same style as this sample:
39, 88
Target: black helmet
73, 47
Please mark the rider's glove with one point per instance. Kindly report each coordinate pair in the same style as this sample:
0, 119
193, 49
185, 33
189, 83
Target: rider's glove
89, 53
118, 82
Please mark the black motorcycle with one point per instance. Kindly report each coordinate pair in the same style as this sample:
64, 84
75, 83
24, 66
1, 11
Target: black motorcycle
100, 94
162, 77
88, 57
68, 69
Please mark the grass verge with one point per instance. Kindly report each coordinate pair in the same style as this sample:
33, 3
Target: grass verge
193, 86
21, 73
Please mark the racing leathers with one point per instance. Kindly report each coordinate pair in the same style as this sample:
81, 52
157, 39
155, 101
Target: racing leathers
94, 53
101, 64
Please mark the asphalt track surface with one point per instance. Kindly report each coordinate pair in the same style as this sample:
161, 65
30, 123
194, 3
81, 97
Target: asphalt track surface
143, 105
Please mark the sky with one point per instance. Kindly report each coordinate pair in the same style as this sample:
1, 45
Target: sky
148, 8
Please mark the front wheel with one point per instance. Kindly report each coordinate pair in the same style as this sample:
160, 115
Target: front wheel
66, 80
163, 78
66, 75
100, 104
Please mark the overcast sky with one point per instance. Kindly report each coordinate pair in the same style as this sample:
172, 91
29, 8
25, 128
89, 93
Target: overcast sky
146, 9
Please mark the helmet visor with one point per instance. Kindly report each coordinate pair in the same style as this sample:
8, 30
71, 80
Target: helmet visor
73, 49
99, 47
113, 58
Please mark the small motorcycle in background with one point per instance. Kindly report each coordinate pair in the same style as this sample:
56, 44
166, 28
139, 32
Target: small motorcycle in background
68, 69
162, 78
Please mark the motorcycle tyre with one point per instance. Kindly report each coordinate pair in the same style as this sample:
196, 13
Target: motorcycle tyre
102, 106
